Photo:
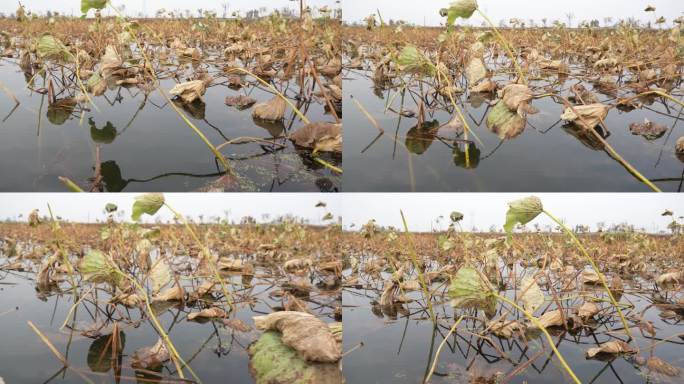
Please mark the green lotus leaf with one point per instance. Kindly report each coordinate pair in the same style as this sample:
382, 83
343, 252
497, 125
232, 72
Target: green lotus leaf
471, 289
461, 8
522, 211
273, 362
505, 123
111, 207
148, 203
87, 5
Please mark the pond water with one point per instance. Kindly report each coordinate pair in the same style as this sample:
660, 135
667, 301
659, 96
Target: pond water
399, 344
546, 157
216, 352
144, 144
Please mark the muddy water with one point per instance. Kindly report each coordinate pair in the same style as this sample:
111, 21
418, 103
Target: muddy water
145, 146
400, 345
215, 352
546, 157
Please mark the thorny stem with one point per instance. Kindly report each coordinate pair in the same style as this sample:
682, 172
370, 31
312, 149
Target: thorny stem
596, 269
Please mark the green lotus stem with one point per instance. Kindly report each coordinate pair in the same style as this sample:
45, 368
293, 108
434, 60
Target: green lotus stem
65, 256
439, 350
458, 110
175, 356
270, 87
199, 133
506, 45
414, 259
594, 267
327, 164
214, 269
541, 327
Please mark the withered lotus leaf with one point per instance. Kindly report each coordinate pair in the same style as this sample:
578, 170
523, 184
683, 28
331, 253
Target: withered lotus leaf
586, 116
320, 136
189, 91
207, 313
305, 333
614, 347
151, 358
240, 102
272, 110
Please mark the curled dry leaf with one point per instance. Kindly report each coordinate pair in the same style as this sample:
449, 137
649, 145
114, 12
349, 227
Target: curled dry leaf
551, 319
586, 116
516, 97
506, 328
320, 136
272, 110
230, 264
476, 70
504, 123
296, 264
207, 313
175, 293
679, 148
151, 358
237, 325
587, 310
484, 87
649, 130
668, 279
189, 91
659, 365
614, 347
240, 102
305, 333
532, 295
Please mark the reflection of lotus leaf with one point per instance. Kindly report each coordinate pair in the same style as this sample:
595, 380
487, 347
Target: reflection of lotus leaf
467, 157
271, 361
106, 135
100, 352
196, 109
111, 175
504, 123
419, 139
60, 111
274, 128
584, 136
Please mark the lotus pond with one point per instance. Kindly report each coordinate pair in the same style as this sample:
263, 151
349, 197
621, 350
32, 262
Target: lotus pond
215, 109
462, 334
151, 304
431, 111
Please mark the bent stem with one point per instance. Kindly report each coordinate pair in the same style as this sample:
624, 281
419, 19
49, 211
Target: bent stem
270, 87
506, 45
439, 350
541, 327
595, 268
414, 259
205, 251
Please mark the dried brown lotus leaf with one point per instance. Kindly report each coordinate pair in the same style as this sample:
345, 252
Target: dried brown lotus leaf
240, 102
551, 319
614, 347
175, 293
532, 296
670, 278
484, 87
151, 358
475, 70
659, 365
295, 264
207, 313
189, 91
237, 324
110, 62
649, 130
587, 310
305, 333
320, 136
586, 116
506, 328
291, 303
230, 264
272, 110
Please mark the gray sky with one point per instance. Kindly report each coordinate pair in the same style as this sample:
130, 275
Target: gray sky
486, 209
428, 10
84, 207
135, 6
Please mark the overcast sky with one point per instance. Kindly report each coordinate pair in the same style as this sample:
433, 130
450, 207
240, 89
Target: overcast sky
427, 11
82, 207
133, 7
486, 209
